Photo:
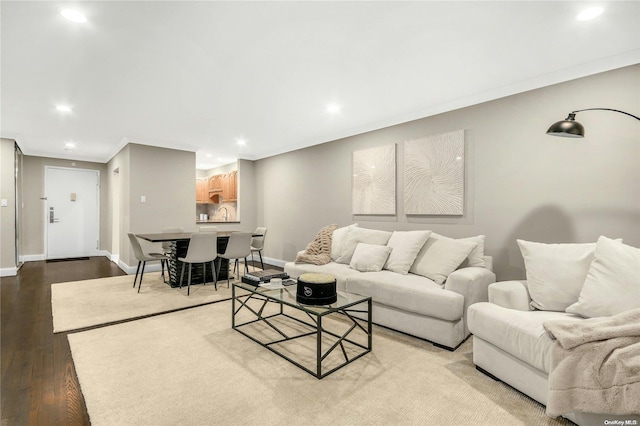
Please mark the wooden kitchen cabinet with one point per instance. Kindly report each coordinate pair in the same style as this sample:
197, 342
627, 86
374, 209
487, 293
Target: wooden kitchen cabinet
215, 189
233, 186
230, 186
215, 183
202, 189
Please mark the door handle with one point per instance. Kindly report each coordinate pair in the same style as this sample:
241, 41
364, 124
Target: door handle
51, 218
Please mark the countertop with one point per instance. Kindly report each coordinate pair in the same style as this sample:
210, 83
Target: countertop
217, 221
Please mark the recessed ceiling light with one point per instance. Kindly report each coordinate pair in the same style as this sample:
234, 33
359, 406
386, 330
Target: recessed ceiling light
333, 108
241, 142
63, 108
590, 13
74, 15
209, 155
70, 145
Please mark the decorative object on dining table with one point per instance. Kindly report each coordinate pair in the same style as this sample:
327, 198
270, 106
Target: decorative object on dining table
316, 289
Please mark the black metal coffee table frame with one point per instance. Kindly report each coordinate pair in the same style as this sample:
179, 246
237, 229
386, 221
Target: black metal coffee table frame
285, 296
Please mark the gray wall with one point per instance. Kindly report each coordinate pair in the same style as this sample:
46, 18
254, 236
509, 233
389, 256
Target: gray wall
520, 183
165, 177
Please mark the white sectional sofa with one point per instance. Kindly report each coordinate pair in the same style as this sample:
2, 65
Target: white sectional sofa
564, 282
420, 282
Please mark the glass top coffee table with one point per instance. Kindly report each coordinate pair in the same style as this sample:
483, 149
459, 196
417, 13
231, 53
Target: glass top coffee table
317, 339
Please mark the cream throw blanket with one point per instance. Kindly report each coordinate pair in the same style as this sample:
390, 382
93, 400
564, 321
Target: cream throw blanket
595, 366
318, 251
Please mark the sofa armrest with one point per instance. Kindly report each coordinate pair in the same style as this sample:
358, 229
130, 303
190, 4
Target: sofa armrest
471, 282
510, 294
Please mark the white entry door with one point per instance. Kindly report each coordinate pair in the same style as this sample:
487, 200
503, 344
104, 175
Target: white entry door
72, 213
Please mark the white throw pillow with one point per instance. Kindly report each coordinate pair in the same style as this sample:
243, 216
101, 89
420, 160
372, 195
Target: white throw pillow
476, 257
613, 281
406, 245
338, 238
441, 256
555, 272
361, 235
369, 257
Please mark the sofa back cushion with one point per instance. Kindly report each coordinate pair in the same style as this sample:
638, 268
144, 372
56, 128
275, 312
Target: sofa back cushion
613, 281
357, 235
476, 257
406, 245
338, 239
555, 272
440, 256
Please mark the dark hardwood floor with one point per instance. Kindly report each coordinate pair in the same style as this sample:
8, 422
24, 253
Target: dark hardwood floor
39, 383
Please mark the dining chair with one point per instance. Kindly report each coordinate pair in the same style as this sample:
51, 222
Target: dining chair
238, 247
143, 258
257, 244
202, 249
208, 228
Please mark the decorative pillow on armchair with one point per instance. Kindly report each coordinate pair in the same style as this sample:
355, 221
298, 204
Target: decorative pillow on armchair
555, 272
613, 281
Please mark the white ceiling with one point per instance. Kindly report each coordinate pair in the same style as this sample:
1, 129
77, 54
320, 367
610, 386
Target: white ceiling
200, 75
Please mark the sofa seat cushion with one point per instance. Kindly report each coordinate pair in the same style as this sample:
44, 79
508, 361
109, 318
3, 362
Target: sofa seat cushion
519, 333
338, 270
412, 293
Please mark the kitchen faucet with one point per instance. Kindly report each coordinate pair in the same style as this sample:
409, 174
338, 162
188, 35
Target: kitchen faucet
226, 213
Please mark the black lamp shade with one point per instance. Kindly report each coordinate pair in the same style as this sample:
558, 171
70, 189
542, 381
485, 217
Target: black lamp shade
567, 129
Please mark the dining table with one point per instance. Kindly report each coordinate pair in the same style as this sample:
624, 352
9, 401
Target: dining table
179, 246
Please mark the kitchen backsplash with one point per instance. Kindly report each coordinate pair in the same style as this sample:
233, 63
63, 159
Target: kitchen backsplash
216, 212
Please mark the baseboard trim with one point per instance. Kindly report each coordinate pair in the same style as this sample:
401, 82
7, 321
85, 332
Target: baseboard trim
131, 270
8, 272
272, 261
32, 257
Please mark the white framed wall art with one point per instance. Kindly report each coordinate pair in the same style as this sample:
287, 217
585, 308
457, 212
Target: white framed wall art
374, 181
434, 175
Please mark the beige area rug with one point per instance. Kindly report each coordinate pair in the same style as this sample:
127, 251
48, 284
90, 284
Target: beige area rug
191, 368
80, 304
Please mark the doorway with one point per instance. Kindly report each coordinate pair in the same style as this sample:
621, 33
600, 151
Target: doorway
72, 212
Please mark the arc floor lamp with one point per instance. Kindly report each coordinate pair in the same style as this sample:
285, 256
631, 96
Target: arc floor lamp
570, 128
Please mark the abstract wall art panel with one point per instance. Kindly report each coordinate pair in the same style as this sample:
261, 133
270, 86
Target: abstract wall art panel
434, 175
374, 180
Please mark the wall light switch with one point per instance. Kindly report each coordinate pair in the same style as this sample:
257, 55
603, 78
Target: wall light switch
4, 202
73, 196
143, 199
